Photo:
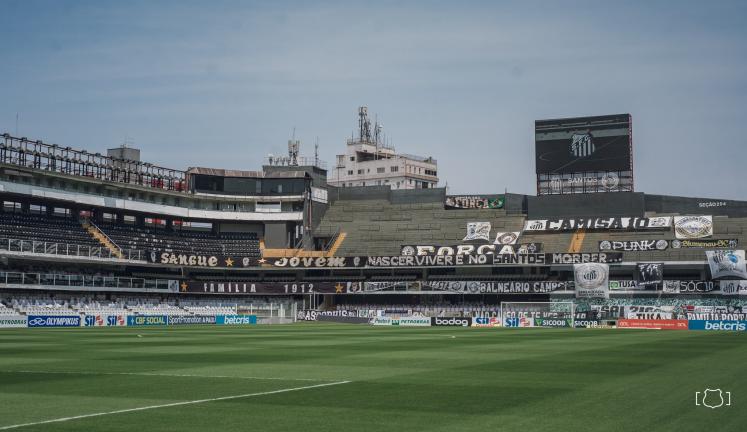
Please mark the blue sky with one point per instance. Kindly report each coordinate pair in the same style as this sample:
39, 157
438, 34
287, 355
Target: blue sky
222, 84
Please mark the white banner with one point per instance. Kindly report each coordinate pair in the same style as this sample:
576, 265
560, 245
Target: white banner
649, 312
624, 285
592, 280
319, 195
733, 287
506, 238
671, 287
688, 286
477, 231
693, 227
724, 263
614, 223
13, 321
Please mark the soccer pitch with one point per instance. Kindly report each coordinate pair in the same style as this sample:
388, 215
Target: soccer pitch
329, 377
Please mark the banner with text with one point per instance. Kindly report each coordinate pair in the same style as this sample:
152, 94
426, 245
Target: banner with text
591, 280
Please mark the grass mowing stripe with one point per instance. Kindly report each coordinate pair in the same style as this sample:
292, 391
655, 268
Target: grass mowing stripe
151, 407
154, 374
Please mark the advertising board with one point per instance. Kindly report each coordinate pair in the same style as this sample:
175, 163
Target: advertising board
13, 321
147, 320
486, 322
660, 324
94, 321
187, 319
53, 321
552, 322
404, 321
724, 325
235, 319
451, 321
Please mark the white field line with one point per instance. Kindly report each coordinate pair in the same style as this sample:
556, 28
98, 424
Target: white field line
193, 402
154, 374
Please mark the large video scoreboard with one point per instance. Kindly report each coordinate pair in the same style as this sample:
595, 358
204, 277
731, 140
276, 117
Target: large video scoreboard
584, 154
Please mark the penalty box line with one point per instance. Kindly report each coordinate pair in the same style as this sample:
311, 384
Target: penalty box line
156, 374
174, 404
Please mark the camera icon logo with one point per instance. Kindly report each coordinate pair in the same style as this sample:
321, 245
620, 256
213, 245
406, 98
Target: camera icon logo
713, 398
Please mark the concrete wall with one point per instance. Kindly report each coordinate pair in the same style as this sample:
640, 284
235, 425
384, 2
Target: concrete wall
276, 235
702, 206
586, 205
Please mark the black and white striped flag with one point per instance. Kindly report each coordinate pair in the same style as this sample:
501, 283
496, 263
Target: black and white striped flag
582, 145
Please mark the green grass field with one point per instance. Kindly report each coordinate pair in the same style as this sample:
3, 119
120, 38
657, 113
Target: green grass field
329, 377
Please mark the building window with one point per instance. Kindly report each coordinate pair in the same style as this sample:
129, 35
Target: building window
360, 171
394, 169
352, 158
430, 172
350, 172
380, 170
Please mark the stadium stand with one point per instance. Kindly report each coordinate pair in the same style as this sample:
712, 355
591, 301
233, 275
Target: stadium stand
42, 228
42, 306
183, 241
5, 310
382, 226
295, 225
71, 304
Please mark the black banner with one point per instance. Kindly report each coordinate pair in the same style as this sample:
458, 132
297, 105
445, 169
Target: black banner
386, 261
451, 321
479, 287
193, 260
447, 287
634, 245
599, 223
650, 275
705, 244
224, 287
451, 260
558, 258
469, 249
475, 202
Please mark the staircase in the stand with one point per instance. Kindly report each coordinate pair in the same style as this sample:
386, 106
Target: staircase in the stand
301, 253
336, 244
102, 238
577, 241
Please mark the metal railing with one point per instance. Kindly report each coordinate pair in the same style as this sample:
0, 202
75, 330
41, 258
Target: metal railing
84, 281
68, 249
90, 222
332, 240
